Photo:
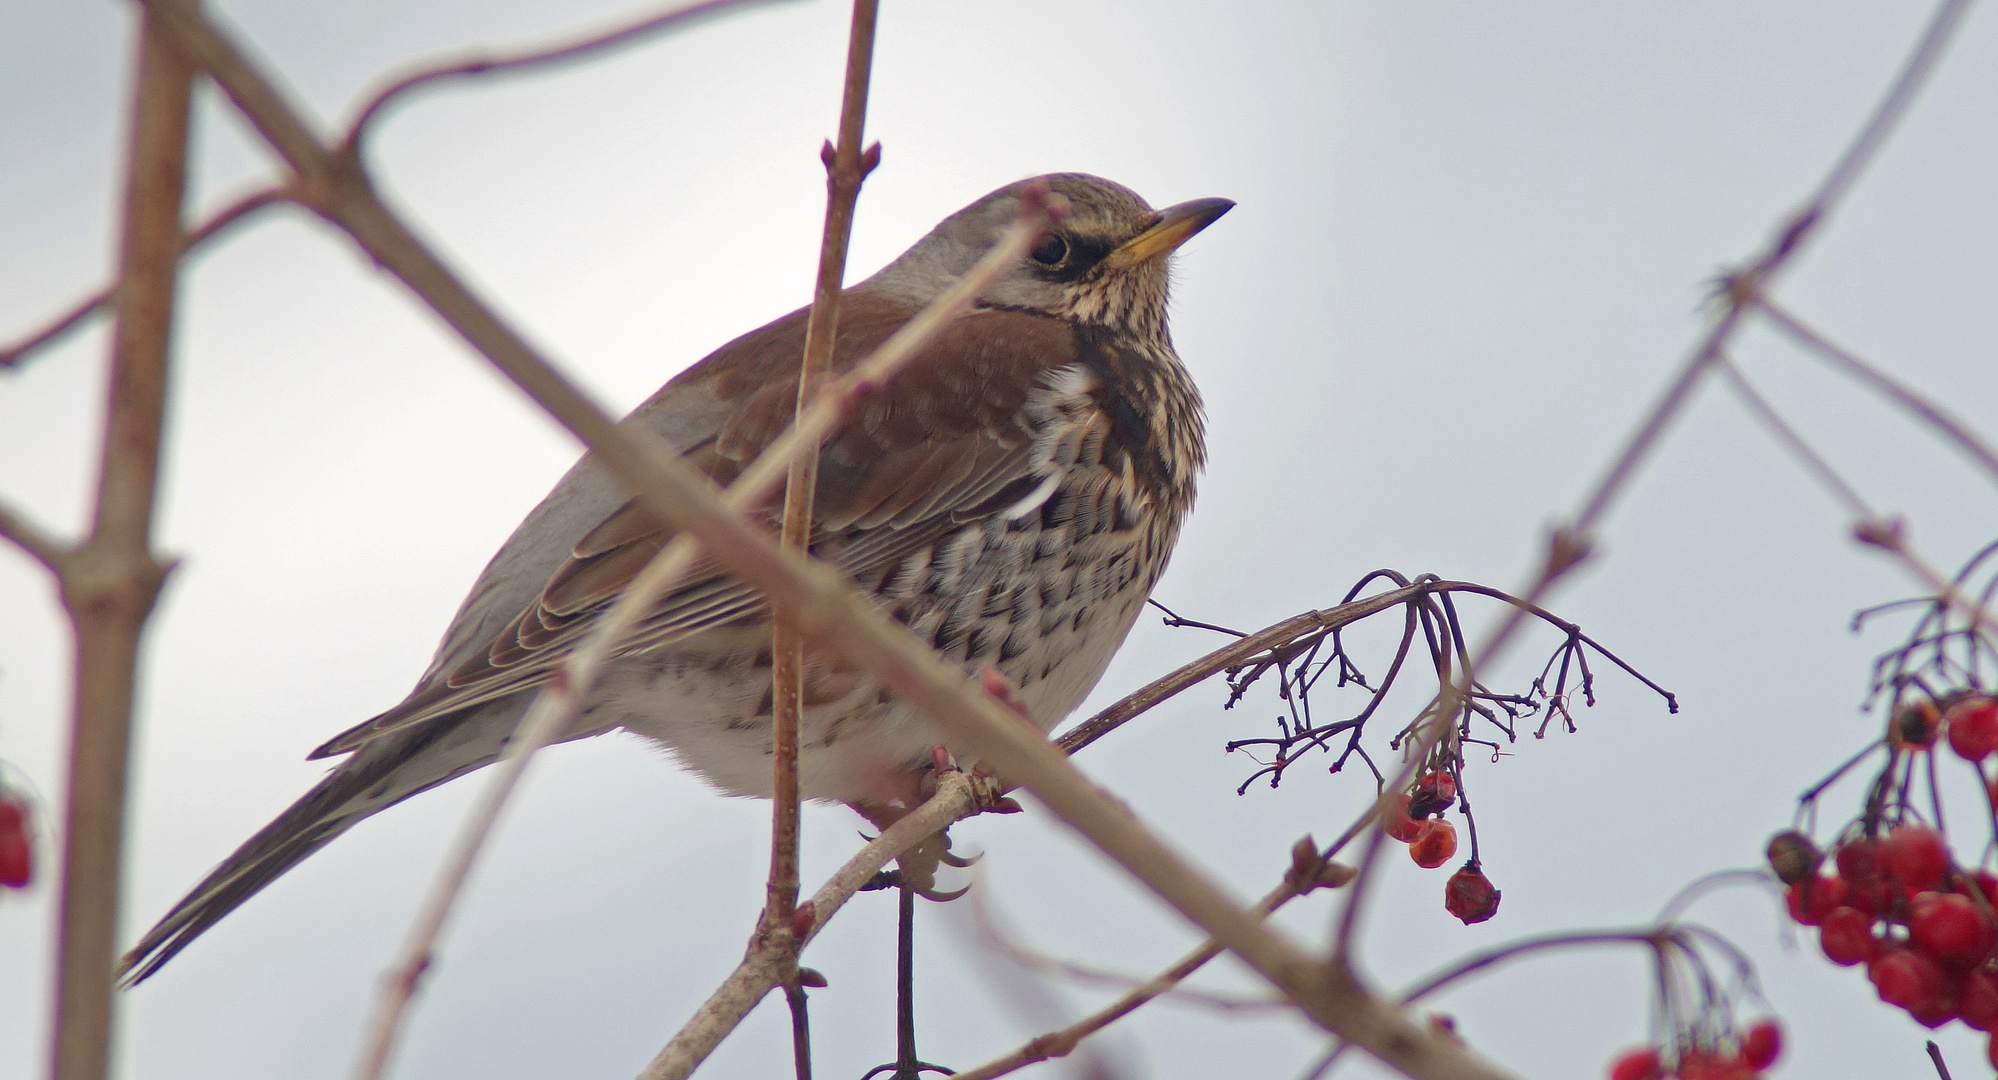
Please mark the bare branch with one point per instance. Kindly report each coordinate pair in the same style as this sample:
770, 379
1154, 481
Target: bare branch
1026, 956
1514, 950
1743, 290
110, 583
1780, 429
1198, 671
76, 317
1935, 1056
845, 171
1871, 529
1310, 870
1908, 82
630, 33
44, 546
1886, 385
958, 794
1570, 544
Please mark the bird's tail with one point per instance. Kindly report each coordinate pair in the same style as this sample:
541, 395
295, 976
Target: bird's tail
377, 776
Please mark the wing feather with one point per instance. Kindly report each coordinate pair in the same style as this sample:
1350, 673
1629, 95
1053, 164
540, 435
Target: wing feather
946, 442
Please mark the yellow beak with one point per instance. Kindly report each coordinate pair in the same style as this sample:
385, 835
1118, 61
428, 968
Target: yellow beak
1175, 226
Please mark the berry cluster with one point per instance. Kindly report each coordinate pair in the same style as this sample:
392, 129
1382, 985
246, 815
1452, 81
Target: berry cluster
17, 841
1890, 896
1895, 903
1742, 1058
1414, 817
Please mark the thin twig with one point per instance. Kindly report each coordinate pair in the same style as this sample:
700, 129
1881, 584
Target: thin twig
1745, 288
1871, 528
44, 546
1514, 950
1310, 870
1935, 1055
1652, 939
1026, 956
1887, 116
110, 583
1192, 674
957, 795
681, 17
1813, 462
629, 33
101, 301
1886, 385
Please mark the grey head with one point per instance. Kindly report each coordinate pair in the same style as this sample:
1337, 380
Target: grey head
1106, 262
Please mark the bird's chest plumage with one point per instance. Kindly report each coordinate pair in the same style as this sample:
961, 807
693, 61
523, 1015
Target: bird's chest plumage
1043, 586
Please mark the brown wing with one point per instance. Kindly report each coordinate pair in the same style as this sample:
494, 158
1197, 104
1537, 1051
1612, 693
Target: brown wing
946, 442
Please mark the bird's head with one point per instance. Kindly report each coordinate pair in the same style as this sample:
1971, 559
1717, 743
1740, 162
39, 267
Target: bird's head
1105, 262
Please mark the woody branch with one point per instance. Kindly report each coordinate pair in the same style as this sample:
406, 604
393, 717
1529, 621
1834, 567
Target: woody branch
110, 582
846, 168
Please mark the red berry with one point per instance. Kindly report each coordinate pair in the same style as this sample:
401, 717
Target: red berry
17, 847
1435, 846
1915, 856
1703, 1065
1871, 897
1762, 1045
1973, 727
1938, 1009
1859, 859
1814, 898
1396, 822
1987, 883
1906, 978
1469, 895
1950, 928
1977, 1000
1635, 1065
1435, 792
1846, 936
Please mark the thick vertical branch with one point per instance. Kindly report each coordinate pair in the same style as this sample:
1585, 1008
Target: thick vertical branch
110, 583
845, 171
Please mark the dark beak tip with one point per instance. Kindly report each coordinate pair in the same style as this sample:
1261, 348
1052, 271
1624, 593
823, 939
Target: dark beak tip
1211, 208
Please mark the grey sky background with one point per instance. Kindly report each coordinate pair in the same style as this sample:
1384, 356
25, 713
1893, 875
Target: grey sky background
1472, 241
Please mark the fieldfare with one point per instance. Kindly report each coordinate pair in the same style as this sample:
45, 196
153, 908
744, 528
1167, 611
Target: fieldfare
1012, 497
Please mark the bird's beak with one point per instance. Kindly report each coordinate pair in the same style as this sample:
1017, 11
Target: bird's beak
1175, 226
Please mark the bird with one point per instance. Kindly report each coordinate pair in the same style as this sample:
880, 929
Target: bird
1012, 497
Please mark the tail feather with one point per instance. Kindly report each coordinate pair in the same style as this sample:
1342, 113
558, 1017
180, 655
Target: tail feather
361, 786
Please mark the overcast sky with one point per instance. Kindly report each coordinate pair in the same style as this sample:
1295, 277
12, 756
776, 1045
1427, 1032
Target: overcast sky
1472, 242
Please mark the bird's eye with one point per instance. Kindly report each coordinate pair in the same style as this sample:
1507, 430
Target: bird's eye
1050, 251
